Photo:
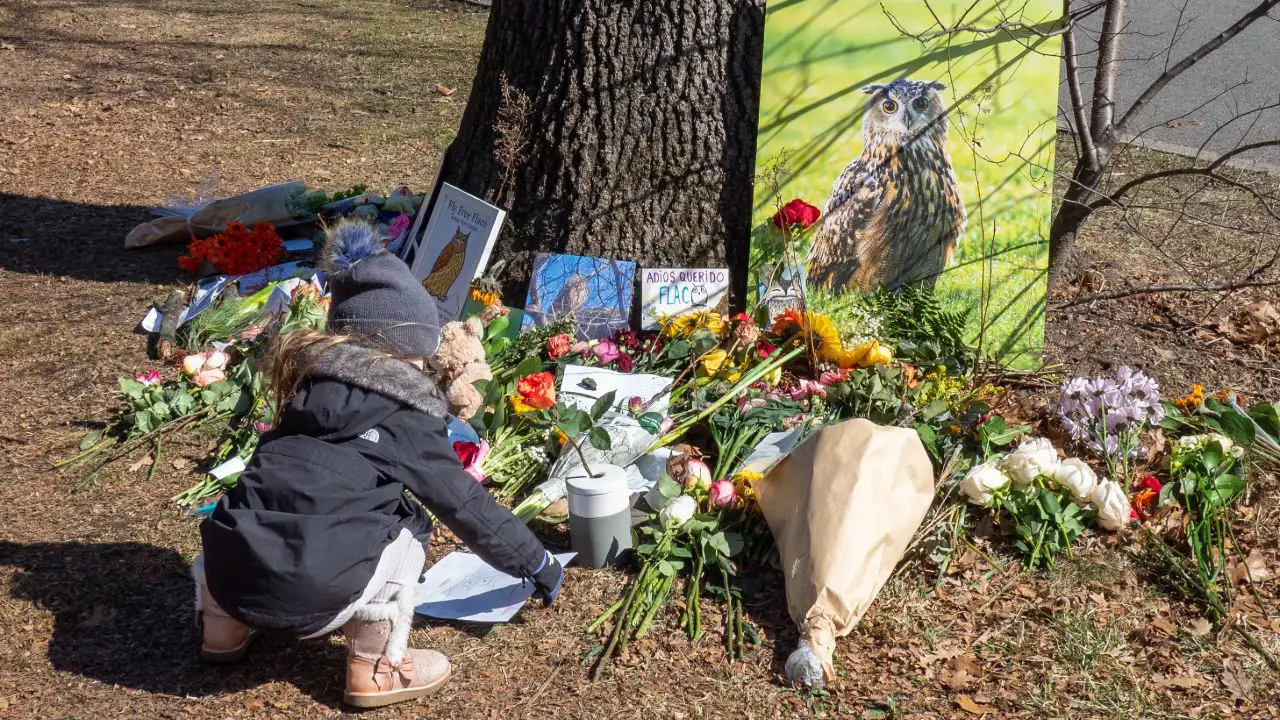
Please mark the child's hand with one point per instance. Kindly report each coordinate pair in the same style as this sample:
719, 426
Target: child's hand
547, 579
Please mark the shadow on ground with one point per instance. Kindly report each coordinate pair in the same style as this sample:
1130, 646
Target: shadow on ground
123, 615
55, 237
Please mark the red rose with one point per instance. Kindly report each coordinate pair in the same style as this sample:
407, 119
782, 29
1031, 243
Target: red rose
538, 390
467, 452
625, 362
1150, 483
558, 346
796, 213
627, 339
764, 349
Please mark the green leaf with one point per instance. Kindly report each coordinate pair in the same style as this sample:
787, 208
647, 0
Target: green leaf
667, 568
1237, 427
497, 327
929, 437
1227, 487
600, 439
529, 366
669, 488
131, 388
1267, 415
718, 542
88, 440
934, 409
678, 349
681, 552
602, 405
161, 410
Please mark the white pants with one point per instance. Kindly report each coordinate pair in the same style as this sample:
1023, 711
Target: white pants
399, 568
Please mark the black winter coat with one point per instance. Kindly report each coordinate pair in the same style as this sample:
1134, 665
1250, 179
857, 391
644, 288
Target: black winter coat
299, 538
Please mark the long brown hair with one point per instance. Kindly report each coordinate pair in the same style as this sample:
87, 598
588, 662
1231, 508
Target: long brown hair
290, 357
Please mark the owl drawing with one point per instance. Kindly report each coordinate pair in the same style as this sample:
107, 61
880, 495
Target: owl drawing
448, 265
895, 214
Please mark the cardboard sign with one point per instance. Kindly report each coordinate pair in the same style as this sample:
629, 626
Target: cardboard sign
594, 290
672, 291
455, 247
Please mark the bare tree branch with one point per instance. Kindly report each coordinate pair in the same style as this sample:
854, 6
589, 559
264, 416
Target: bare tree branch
1087, 147
1194, 57
1104, 82
1210, 171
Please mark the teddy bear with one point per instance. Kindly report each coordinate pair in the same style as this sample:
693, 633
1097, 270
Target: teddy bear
459, 363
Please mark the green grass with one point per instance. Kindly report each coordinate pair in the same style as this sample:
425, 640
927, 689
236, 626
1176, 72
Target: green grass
1002, 92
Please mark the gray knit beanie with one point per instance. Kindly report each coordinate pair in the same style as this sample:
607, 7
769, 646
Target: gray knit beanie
375, 296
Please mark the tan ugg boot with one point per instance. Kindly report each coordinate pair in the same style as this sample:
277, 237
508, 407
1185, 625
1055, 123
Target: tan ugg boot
374, 680
223, 638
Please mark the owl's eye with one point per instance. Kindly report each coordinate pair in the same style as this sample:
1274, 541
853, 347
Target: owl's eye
889, 106
920, 104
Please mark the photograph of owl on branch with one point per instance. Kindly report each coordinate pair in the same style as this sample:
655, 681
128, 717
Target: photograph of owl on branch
594, 290
894, 215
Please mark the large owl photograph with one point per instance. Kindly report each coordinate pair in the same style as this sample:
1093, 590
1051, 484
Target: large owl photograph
929, 155
596, 291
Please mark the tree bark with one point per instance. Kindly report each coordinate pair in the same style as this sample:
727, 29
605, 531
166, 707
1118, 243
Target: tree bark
643, 122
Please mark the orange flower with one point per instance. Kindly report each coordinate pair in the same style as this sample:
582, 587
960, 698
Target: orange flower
538, 390
909, 372
789, 321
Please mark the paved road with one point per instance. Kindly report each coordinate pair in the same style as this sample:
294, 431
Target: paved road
1253, 55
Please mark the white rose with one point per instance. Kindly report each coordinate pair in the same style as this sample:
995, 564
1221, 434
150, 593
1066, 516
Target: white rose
217, 360
1190, 442
1033, 457
1075, 475
981, 482
1110, 503
192, 364
678, 512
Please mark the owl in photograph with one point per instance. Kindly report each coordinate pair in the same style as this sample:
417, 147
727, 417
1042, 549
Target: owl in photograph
448, 265
895, 214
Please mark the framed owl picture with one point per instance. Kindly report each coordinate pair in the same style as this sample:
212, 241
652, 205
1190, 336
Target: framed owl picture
454, 247
597, 291
924, 158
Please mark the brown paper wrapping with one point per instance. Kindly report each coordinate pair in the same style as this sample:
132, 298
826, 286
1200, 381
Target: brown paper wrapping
842, 508
269, 204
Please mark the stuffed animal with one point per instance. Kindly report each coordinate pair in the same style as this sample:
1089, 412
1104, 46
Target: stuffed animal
459, 362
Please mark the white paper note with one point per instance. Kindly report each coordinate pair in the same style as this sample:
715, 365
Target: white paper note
463, 587
626, 385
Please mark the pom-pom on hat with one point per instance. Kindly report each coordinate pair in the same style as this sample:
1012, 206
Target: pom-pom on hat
374, 294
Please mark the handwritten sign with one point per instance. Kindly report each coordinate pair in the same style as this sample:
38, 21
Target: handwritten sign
672, 291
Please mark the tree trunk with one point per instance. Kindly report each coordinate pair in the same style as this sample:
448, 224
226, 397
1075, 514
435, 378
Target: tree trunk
642, 131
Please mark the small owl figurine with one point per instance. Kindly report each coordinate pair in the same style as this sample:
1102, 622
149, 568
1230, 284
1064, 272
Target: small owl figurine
448, 265
895, 214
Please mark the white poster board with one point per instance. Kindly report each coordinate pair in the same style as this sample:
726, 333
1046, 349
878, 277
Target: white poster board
463, 587
455, 246
674, 291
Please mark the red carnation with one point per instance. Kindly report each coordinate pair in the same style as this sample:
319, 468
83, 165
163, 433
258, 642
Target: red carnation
796, 213
558, 346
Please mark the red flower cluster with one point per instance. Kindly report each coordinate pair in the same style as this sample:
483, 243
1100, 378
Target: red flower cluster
796, 214
235, 251
1146, 495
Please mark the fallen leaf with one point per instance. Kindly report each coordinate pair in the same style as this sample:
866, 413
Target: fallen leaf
1200, 628
1255, 324
446, 91
958, 680
1163, 626
7, 46
967, 704
1235, 680
181, 464
1182, 682
143, 461
1254, 569
928, 660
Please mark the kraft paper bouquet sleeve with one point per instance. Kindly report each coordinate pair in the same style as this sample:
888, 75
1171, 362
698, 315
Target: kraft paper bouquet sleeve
842, 508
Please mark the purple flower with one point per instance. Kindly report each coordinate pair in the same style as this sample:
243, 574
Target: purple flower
261, 427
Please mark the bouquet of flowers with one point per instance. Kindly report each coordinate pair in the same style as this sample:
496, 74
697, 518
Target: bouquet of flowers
235, 251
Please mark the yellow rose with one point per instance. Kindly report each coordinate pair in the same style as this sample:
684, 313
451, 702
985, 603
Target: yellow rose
518, 405
872, 353
773, 377
713, 363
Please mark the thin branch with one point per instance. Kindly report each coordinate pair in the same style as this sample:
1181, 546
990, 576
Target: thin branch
1196, 56
1210, 170
1089, 150
1153, 289
1012, 27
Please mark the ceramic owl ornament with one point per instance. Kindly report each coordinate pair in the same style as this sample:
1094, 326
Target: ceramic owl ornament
895, 214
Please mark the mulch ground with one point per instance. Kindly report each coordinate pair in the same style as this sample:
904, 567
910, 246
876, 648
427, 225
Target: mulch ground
112, 107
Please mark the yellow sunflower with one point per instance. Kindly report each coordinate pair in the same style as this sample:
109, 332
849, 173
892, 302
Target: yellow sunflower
745, 484
484, 297
822, 332
690, 322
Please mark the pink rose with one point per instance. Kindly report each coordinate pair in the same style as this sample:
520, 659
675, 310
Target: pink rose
805, 389
831, 377
472, 456
722, 493
747, 403
150, 377
606, 351
205, 378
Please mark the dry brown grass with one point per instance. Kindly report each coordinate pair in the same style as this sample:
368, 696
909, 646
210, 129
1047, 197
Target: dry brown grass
110, 107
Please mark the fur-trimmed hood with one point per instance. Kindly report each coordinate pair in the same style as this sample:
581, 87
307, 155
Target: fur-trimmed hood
374, 371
